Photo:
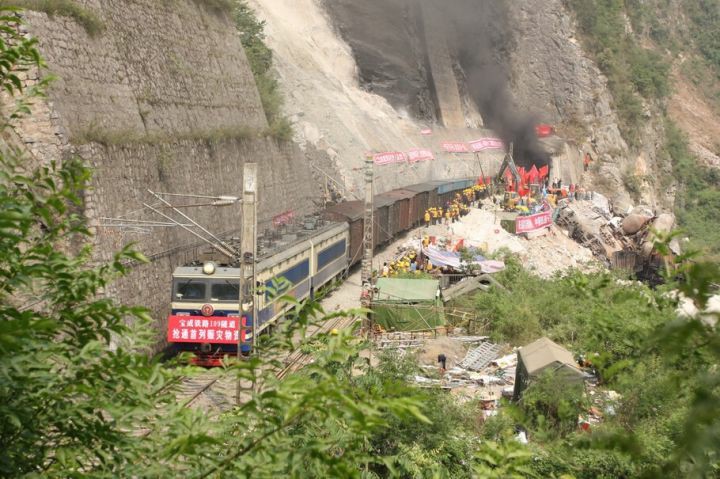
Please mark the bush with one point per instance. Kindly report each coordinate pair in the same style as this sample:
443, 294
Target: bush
252, 36
697, 202
633, 72
67, 8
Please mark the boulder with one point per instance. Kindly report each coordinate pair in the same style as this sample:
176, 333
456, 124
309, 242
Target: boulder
664, 224
633, 223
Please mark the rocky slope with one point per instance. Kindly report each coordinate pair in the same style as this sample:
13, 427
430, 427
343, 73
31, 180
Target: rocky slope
519, 62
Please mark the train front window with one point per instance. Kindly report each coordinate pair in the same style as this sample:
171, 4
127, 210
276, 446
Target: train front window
190, 290
225, 291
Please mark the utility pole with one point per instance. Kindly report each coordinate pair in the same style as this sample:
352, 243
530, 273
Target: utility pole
248, 250
366, 274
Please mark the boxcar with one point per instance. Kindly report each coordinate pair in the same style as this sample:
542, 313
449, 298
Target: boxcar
393, 226
406, 217
384, 219
421, 201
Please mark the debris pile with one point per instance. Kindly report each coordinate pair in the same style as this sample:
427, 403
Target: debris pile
618, 240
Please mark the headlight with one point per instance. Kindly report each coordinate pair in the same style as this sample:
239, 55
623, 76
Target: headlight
209, 267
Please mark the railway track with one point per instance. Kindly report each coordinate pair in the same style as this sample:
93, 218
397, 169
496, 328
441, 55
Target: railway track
297, 359
212, 389
208, 390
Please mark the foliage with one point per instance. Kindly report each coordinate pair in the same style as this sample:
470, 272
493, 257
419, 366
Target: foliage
252, 36
66, 8
592, 314
444, 445
72, 384
552, 403
665, 423
697, 203
705, 15
504, 460
633, 72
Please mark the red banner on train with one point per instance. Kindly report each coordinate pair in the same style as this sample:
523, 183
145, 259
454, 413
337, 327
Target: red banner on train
455, 147
420, 155
526, 224
283, 218
199, 329
389, 158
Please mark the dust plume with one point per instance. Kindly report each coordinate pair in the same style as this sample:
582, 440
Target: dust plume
480, 33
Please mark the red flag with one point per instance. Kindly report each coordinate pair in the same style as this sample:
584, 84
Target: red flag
533, 175
544, 171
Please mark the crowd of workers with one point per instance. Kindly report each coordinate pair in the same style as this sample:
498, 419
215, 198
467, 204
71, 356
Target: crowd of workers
455, 209
408, 263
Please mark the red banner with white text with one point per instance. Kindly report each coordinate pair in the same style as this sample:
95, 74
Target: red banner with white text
389, 158
420, 155
455, 147
199, 329
526, 224
487, 144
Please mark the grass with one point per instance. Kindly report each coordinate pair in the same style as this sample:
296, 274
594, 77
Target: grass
92, 24
110, 137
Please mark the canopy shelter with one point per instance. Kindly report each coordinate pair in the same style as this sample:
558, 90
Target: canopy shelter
454, 260
408, 304
540, 356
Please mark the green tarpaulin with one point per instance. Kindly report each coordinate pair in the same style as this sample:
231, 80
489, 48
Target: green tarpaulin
408, 304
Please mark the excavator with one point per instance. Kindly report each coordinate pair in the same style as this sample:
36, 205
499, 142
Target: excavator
511, 197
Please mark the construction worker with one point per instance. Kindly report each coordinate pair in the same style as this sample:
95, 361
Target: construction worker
427, 219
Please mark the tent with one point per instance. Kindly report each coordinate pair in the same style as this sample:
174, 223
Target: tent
540, 356
408, 304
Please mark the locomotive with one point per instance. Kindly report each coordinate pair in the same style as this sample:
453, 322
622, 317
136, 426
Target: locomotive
206, 318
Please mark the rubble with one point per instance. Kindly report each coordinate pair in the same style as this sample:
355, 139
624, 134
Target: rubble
480, 357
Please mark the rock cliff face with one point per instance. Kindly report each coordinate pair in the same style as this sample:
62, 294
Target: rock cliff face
162, 99
532, 49
340, 118
554, 78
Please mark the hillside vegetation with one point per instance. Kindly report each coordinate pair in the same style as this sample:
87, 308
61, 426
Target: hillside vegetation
636, 44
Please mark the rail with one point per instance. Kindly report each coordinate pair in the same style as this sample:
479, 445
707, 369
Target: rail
192, 388
297, 359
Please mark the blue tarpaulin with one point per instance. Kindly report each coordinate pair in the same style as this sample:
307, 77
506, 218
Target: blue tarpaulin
452, 259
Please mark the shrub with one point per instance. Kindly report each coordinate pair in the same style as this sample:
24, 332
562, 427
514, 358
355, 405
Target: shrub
67, 8
260, 57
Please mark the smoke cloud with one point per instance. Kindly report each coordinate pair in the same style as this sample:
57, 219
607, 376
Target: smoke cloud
480, 33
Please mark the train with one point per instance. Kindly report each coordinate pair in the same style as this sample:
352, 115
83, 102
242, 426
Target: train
205, 317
